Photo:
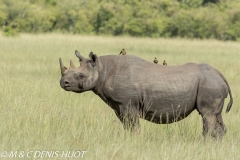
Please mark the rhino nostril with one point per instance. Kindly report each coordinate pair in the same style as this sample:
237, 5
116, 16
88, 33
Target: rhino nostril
66, 83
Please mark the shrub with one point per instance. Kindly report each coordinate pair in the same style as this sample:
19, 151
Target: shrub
168, 18
9, 32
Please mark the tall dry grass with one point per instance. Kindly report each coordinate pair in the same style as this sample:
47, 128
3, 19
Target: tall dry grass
36, 114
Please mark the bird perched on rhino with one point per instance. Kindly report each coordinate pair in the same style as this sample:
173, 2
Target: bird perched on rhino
155, 60
164, 63
123, 52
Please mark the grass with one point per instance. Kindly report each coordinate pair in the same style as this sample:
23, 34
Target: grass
36, 114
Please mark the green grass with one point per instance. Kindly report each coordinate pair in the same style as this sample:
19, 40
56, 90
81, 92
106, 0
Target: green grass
36, 114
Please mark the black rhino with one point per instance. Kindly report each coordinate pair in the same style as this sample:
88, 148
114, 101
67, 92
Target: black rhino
135, 88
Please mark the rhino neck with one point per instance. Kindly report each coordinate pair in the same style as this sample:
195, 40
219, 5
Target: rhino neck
106, 69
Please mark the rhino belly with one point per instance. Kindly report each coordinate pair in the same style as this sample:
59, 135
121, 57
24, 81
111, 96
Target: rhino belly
169, 110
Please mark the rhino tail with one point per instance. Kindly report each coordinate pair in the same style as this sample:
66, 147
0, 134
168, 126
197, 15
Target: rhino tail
231, 99
229, 91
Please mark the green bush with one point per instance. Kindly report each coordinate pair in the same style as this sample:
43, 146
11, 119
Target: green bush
104, 14
3, 13
219, 19
9, 32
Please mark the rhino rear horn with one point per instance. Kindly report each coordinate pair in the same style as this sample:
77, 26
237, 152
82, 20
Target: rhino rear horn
62, 67
81, 58
72, 65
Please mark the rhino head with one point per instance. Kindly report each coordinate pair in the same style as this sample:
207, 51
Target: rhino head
82, 78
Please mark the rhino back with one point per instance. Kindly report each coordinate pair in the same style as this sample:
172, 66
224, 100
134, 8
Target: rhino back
130, 72
135, 78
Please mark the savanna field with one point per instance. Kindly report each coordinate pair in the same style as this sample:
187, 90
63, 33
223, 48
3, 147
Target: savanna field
38, 115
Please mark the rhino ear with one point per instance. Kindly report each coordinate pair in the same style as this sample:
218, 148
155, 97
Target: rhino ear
93, 58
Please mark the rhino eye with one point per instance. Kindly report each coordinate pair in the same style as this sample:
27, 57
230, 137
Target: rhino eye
81, 76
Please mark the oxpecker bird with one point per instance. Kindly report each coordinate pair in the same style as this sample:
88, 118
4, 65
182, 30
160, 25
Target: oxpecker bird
155, 60
164, 63
123, 52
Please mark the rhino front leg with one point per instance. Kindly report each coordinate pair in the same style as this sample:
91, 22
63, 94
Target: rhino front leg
131, 122
129, 119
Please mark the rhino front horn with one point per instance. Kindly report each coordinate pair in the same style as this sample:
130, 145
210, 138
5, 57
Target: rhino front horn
81, 58
62, 67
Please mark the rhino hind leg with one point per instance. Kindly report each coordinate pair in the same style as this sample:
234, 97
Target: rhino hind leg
212, 121
221, 129
213, 126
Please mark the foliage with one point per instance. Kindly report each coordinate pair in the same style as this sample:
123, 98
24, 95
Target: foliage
9, 31
217, 19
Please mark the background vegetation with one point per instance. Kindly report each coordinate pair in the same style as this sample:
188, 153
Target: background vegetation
218, 19
36, 114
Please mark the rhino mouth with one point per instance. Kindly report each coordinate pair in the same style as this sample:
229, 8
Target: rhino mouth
73, 89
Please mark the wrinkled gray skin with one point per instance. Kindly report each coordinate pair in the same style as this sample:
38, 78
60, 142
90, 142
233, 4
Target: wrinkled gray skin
135, 88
